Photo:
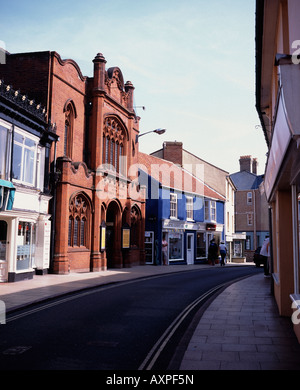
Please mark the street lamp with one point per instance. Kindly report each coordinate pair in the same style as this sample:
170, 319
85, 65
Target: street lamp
157, 131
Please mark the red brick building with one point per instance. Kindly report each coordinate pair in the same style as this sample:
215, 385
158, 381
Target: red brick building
93, 199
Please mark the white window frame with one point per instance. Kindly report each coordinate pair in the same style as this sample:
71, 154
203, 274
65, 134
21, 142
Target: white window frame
249, 198
173, 206
189, 208
7, 157
31, 137
210, 210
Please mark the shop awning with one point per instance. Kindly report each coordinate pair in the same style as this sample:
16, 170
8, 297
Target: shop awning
7, 195
5, 183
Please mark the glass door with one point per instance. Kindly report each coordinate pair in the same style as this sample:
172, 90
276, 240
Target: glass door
149, 247
190, 248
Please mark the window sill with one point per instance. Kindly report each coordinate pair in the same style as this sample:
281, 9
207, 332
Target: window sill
78, 249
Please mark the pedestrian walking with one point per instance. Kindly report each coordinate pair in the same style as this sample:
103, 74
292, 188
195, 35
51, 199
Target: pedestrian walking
213, 252
265, 252
223, 252
164, 250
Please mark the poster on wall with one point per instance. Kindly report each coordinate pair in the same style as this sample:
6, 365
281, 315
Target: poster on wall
126, 237
102, 236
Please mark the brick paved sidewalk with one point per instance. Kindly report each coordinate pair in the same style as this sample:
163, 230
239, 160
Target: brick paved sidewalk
242, 330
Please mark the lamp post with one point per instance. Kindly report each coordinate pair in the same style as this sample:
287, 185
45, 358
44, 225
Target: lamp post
157, 131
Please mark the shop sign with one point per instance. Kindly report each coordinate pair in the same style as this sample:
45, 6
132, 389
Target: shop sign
212, 227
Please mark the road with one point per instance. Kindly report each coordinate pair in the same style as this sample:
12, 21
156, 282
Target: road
117, 327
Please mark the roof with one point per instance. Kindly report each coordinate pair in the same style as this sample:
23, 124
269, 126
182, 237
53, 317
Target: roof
245, 180
172, 176
192, 154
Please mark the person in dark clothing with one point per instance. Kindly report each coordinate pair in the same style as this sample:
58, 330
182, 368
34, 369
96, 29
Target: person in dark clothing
213, 252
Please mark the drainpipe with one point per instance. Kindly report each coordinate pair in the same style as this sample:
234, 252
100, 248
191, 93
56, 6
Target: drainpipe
54, 182
254, 220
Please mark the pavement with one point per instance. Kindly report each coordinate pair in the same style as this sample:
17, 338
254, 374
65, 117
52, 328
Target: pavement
240, 329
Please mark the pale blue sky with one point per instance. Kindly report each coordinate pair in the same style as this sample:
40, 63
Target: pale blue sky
192, 64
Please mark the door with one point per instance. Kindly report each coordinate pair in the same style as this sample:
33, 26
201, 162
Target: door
190, 248
149, 247
3, 245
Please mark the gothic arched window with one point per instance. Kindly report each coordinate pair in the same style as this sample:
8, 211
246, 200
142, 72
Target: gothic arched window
70, 115
113, 143
79, 209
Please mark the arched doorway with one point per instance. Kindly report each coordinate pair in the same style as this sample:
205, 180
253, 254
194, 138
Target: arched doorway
113, 236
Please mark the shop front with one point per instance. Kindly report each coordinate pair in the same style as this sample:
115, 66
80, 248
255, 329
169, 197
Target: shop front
282, 186
24, 239
188, 242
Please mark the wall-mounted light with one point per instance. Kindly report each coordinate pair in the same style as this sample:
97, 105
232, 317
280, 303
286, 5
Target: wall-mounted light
157, 131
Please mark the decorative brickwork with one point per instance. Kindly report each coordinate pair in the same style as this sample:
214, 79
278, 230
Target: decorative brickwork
96, 125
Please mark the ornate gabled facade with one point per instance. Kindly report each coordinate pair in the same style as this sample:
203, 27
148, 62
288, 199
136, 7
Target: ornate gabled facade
96, 203
25, 226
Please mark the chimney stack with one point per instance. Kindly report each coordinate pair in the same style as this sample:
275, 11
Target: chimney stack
172, 151
245, 163
248, 164
254, 166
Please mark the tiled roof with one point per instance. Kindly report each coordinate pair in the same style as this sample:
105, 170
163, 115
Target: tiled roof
245, 180
172, 176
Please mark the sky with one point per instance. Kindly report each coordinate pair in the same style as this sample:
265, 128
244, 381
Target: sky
192, 64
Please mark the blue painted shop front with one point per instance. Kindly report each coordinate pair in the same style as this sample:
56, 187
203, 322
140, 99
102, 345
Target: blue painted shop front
188, 238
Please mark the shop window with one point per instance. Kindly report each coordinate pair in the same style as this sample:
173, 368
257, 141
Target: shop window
238, 248
78, 221
201, 246
175, 246
26, 242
